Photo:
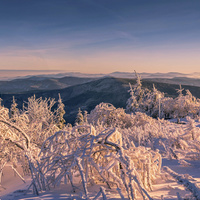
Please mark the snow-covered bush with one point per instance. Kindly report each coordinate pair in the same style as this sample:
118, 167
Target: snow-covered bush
109, 116
154, 104
167, 107
96, 158
22, 132
15, 147
7, 140
38, 119
186, 105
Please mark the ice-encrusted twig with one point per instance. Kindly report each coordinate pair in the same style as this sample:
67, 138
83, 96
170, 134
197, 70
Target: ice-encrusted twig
18, 173
78, 160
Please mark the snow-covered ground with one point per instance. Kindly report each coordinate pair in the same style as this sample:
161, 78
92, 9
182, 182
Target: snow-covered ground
165, 187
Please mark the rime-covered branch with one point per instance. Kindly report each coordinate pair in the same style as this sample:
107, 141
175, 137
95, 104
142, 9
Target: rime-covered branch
19, 130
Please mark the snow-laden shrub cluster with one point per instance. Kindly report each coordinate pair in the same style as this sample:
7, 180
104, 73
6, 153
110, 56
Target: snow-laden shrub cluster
97, 158
155, 104
173, 140
107, 115
24, 131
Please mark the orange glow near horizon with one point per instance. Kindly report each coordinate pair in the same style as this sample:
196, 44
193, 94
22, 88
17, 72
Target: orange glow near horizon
107, 62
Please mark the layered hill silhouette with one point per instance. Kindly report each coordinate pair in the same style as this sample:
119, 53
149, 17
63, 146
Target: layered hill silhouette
87, 95
35, 83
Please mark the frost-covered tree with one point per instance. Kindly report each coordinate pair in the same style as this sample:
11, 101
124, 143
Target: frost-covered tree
131, 104
192, 129
60, 113
167, 105
85, 117
192, 104
39, 109
153, 103
186, 105
38, 119
138, 91
4, 112
79, 119
180, 91
14, 111
14, 143
144, 100
21, 138
137, 96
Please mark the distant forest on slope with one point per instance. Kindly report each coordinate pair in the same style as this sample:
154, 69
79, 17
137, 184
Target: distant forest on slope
87, 95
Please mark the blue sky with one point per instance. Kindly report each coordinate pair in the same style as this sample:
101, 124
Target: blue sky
100, 36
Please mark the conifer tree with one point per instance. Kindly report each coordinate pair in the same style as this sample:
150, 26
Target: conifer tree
138, 91
60, 113
79, 119
137, 96
14, 111
131, 104
85, 117
153, 102
179, 107
180, 91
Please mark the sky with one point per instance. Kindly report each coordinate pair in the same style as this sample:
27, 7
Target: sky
100, 36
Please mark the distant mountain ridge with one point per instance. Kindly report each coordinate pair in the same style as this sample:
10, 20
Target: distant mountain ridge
179, 80
87, 95
35, 83
145, 75
64, 80
21, 74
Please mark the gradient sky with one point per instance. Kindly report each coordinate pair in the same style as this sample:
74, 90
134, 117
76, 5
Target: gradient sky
100, 36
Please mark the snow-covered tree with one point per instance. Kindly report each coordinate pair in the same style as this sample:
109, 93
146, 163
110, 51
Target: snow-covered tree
167, 105
180, 91
138, 88
137, 96
14, 111
60, 113
85, 117
79, 119
153, 103
186, 105
131, 104
192, 104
